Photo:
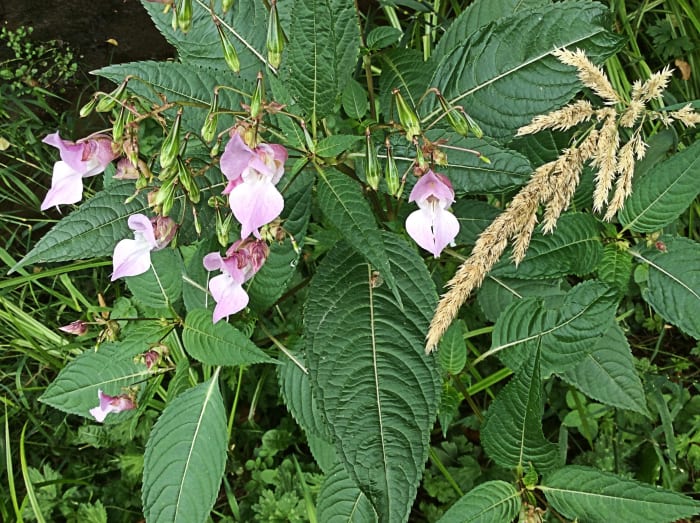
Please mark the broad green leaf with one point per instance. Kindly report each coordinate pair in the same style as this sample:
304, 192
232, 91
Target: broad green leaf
565, 334
218, 343
346, 35
109, 368
450, 400
512, 433
574, 247
668, 189
354, 100
161, 286
383, 36
201, 44
504, 86
594, 496
272, 279
542, 147
185, 457
369, 373
332, 146
497, 293
405, 70
491, 502
607, 373
615, 267
673, 285
476, 16
341, 501
473, 216
92, 230
453, 350
344, 206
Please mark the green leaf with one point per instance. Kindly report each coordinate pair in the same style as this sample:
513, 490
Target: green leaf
473, 216
453, 350
607, 373
376, 387
218, 343
161, 286
344, 206
615, 267
497, 293
110, 369
402, 69
504, 86
491, 502
476, 16
92, 230
594, 496
673, 285
354, 100
512, 433
383, 36
185, 457
346, 35
272, 279
341, 501
565, 334
659, 197
574, 247
334, 145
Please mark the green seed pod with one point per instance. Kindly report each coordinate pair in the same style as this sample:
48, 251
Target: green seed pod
454, 117
171, 145
184, 16
407, 117
372, 170
119, 123
223, 226
87, 109
256, 102
108, 102
226, 5
210, 122
165, 197
275, 37
473, 126
230, 54
391, 172
185, 177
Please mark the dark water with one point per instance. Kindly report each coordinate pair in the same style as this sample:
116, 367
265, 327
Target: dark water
86, 25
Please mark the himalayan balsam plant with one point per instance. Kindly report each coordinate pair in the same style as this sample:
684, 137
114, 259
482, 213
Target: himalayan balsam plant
293, 192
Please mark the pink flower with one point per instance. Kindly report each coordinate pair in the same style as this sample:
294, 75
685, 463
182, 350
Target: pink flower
133, 257
111, 404
432, 226
78, 160
243, 259
252, 175
78, 327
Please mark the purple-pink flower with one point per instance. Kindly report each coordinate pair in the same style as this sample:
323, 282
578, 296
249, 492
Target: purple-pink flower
252, 176
133, 257
243, 259
78, 160
78, 328
111, 404
432, 226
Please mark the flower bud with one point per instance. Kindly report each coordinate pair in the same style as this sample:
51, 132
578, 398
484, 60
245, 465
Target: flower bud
210, 122
78, 328
87, 109
407, 117
391, 173
184, 15
230, 54
275, 37
372, 172
109, 101
164, 230
171, 145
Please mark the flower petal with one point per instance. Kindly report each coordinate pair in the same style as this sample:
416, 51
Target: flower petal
213, 261
254, 204
71, 153
131, 257
433, 228
435, 185
235, 158
142, 224
229, 296
66, 186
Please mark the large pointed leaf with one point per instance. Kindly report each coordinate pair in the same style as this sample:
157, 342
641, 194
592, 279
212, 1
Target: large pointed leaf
453, 350
376, 387
474, 216
565, 334
594, 496
342, 203
110, 369
218, 343
346, 33
341, 501
161, 286
503, 86
615, 267
405, 70
92, 230
673, 285
660, 196
497, 293
491, 502
574, 247
607, 373
185, 457
512, 432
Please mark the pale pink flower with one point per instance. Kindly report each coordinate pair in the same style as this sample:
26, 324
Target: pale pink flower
432, 226
78, 327
252, 175
78, 160
243, 259
111, 404
133, 257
